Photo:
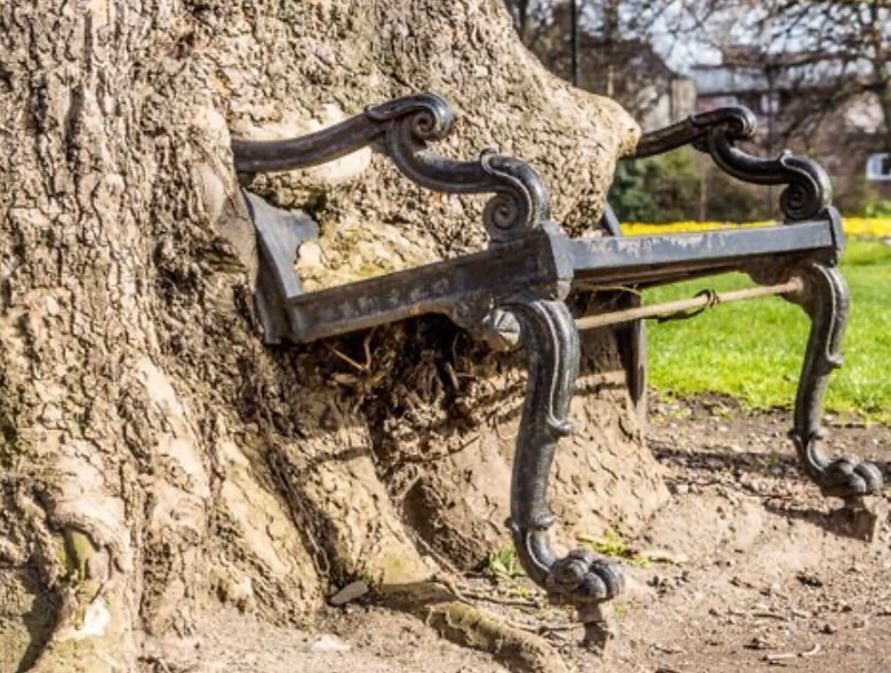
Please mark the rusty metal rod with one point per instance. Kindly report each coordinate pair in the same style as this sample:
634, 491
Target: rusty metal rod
671, 307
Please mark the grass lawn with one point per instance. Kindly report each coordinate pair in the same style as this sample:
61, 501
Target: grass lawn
753, 350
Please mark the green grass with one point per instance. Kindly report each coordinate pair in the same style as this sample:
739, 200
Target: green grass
612, 544
753, 350
504, 564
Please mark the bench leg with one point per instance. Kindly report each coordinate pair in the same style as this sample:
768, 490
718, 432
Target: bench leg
582, 578
825, 299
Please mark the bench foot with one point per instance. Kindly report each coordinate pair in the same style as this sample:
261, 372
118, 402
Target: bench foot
825, 298
548, 332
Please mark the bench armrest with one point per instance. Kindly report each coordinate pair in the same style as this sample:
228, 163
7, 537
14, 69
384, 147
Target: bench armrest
808, 190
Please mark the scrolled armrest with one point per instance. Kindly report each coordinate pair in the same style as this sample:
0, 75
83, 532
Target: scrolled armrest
402, 129
808, 192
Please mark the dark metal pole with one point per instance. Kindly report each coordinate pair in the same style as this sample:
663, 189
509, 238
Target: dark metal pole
671, 308
574, 41
770, 130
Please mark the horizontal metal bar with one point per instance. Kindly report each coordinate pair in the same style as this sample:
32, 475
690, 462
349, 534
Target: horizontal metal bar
669, 308
669, 257
451, 287
471, 284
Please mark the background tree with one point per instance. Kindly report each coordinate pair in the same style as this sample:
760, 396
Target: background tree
819, 62
154, 455
615, 54
844, 47
825, 65
823, 55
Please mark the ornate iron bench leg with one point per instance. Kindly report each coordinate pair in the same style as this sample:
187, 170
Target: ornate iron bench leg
825, 299
581, 578
824, 295
548, 333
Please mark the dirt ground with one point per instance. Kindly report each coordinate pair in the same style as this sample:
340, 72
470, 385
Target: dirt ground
768, 576
749, 570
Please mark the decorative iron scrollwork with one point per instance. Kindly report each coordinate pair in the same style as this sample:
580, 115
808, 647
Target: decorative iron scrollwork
548, 333
825, 299
514, 290
401, 129
808, 190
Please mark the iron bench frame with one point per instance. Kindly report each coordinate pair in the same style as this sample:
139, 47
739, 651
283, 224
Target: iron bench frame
518, 285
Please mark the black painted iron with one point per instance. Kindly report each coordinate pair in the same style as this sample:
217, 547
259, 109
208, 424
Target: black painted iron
517, 286
808, 190
552, 351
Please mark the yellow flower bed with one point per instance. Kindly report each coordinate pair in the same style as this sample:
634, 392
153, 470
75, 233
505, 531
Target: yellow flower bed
866, 227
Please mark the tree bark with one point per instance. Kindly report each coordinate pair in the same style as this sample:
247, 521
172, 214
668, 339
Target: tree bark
155, 457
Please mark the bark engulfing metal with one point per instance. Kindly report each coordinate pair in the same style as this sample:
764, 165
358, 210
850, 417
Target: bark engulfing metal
522, 279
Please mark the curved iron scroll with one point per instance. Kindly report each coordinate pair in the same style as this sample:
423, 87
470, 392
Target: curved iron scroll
402, 129
825, 299
551, 342
808, 189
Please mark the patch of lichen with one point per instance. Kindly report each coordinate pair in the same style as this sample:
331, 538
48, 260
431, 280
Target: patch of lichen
397, 569
75, 551
86, 655
13, 646
78, 548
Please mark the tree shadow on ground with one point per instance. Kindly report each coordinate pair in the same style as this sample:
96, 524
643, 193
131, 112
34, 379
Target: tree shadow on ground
845, 522
768, 464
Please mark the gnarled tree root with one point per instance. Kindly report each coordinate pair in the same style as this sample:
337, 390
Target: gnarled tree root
469, 626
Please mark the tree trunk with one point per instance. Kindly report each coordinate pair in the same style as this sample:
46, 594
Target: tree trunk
155, 457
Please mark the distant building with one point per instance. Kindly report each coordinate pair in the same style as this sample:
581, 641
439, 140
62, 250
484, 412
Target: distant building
783, 90
654, 93
676, 101
878, 167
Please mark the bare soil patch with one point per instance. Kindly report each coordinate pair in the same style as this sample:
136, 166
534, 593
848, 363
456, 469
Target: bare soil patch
759, 571
750, 570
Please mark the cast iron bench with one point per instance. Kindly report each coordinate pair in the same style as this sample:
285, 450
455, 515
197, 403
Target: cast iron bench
517, 287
